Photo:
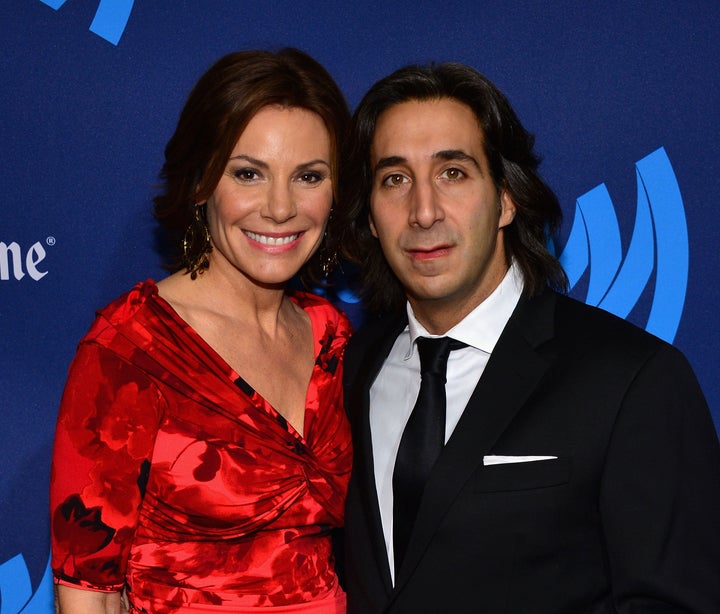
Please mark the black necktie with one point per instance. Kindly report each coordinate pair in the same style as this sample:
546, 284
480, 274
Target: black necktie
422, 440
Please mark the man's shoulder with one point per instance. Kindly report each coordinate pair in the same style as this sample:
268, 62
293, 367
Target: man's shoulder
587, 344
375, 333
576, 316
376, 327
580, 325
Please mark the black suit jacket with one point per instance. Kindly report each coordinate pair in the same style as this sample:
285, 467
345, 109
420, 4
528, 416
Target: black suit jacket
627, 519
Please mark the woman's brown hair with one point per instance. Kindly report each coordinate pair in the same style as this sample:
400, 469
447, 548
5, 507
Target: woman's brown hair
219, 107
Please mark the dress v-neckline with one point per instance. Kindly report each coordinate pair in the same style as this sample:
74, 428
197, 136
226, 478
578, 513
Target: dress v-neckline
236, 377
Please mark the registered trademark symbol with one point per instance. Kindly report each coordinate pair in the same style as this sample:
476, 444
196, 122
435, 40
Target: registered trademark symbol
50, 240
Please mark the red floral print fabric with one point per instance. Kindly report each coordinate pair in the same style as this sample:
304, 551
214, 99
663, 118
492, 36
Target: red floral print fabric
173, 476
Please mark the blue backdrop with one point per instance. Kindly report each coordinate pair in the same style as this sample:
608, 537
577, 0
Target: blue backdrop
623, 97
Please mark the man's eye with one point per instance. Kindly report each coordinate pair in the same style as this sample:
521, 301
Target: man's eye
452, 174
396, 179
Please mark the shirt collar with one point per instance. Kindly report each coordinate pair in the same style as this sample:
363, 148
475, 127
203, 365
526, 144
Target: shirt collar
482, 327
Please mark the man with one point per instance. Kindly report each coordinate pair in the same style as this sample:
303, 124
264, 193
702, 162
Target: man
580, 470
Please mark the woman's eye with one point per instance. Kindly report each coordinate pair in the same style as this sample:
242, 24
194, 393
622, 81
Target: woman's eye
245, 174
311, 177
452, 174
394, 180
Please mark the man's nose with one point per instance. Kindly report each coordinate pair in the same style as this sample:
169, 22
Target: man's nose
425, 205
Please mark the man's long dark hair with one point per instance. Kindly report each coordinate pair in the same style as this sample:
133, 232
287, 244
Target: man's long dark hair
513, 166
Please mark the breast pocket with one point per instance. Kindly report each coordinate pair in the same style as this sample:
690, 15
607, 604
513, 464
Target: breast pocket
523, 475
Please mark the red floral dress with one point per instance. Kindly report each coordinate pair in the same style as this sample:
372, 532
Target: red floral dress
172, 476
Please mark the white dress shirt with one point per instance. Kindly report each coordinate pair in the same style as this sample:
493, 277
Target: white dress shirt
393, 394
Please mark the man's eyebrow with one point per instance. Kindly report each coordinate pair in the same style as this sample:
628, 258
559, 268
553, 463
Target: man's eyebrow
387, 162
445, 154
457, 154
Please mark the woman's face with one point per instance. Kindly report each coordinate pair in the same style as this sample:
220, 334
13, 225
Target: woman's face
269, 210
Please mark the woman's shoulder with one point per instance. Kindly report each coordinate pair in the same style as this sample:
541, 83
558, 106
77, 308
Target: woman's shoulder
129, 308
130, 302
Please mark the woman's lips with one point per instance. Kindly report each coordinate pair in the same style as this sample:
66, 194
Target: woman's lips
273, 240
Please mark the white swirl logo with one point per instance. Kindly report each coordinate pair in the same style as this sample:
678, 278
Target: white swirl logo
14, 264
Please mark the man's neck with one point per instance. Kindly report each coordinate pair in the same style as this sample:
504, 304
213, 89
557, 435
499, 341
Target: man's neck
439, 315
495, 308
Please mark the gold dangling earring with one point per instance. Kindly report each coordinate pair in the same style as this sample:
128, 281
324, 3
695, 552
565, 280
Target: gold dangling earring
328, 263
328, 258
197, 244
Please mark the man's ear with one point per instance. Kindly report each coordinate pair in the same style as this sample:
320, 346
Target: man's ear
373, 230
507, 209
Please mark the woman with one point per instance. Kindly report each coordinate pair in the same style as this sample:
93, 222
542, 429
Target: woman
202, 454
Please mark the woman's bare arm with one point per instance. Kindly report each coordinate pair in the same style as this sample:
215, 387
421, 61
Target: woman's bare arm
69, 600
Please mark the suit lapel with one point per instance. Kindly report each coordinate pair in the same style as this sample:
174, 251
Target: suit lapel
512, 373
376, 345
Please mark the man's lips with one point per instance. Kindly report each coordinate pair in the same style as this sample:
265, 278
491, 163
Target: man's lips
428, 253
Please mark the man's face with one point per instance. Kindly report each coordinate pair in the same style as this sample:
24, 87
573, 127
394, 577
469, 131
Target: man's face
435, 209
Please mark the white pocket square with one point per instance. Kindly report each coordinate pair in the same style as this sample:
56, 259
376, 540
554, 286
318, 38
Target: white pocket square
504, 460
